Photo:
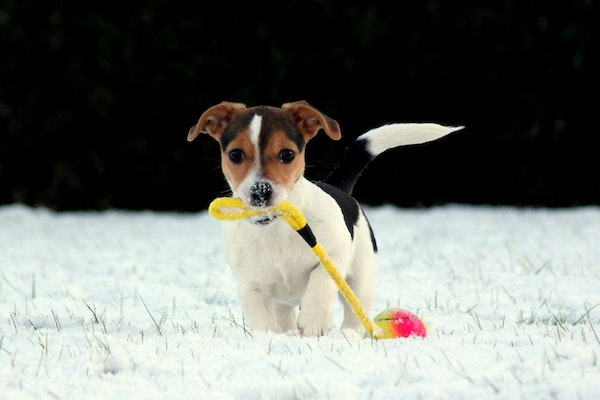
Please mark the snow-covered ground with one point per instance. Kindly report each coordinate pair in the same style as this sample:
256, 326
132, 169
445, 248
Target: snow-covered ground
126, 305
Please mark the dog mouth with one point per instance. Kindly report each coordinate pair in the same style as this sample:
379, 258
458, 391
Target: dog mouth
263, 219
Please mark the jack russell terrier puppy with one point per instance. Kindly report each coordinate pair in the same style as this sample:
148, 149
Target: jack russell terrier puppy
263, 160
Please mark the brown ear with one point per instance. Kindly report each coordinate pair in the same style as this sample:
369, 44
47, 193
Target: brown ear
214, 120
309, 120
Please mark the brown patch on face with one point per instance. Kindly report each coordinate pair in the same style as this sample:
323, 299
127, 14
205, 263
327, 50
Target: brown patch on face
235, 171
276, 163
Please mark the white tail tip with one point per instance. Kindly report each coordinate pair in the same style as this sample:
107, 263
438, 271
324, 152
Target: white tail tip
393, 135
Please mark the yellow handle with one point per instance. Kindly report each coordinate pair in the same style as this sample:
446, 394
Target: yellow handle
231, 208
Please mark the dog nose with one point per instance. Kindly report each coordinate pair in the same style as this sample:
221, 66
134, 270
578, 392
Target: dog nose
260, 194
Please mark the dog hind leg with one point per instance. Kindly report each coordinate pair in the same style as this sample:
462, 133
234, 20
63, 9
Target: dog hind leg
286, 317
364, 289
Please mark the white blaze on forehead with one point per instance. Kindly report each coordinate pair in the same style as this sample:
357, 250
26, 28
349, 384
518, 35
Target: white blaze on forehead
255, 126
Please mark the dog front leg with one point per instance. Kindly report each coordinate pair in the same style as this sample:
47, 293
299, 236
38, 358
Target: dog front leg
316, 306
259, 309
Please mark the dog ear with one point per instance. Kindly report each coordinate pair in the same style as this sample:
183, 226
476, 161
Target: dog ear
214, 120
309, 120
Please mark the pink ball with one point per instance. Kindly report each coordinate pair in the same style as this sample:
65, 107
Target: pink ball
397, 322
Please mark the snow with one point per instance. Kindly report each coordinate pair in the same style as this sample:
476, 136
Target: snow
125, 305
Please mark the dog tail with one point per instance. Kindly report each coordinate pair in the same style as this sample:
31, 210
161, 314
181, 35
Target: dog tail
369, 145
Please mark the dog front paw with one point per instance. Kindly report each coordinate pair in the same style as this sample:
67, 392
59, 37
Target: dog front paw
313, 325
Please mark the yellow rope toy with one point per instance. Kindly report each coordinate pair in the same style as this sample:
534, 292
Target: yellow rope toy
231, 208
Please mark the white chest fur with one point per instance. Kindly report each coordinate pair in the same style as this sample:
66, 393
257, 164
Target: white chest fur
274, 258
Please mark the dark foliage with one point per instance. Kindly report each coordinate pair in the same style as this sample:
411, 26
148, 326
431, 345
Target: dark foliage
96, 97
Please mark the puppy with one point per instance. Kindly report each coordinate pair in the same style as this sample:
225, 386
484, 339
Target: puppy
263, 161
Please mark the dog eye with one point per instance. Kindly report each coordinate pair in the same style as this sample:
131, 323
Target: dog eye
237, 156
287, 156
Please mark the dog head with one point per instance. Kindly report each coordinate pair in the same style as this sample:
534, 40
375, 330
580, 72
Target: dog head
262, 148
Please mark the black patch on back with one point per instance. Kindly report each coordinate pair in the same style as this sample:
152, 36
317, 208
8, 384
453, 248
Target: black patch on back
350, 209
351, 164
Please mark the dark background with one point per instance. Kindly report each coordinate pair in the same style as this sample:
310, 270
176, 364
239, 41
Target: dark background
96, 97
